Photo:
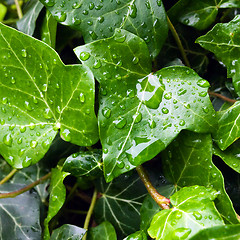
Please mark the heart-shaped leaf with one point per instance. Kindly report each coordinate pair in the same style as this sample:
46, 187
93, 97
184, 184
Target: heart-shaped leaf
40, 95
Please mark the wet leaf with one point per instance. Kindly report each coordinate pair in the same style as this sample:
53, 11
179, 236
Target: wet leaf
193, 209
39, 96
139, 235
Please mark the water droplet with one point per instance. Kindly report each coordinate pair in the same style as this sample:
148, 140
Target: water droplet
178, 215
100, 19
181, 91
133, 11
165, 110
21, 152
152, 123
84, 56
47, 113
197, 215
168, 95
120, 164
13, 81
203, 83
106, 112
105, 150
22, 129
7, 140
19, 141
120, 122
202, 94
214, 174
159, 3
44, 88
76, 5
97, 64
33, 144
32, 126
187, 106
91, 6
147, 4
98, 7
120, 38
28, 106
49, 3
76, 21
93, 35
24, 53
118, 76
5, 100
181, 233
66, 135
135, 60
90, 23
82, 98
182, 122
130, 93
27, 162
2, 121
205, 109
137, 117
60, 16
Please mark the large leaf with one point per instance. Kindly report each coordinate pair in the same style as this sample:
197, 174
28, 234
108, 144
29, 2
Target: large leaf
139, 235
120, 203
199, 14
193, 209
40, 95
141, 114
98, 20
188, 161
19, 216
223, 41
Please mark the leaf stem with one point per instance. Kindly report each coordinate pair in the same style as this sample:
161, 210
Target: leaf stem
8, 176
178, 41
90, 211
25, 189
19, 10
226, 99
162, 201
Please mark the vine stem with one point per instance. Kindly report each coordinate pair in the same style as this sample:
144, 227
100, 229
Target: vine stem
19, 10
178, 41
25, 189
226, 99
162, 201
90, 211
8, 176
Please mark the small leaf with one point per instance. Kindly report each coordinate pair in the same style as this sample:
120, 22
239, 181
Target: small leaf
104, 231
3, 11
193, 209
39, 96
139, 235
68, 232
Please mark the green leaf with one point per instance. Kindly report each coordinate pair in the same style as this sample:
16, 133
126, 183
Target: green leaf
104, 231
188, 161
193, 209
141, 114
28, 22
98, 20
120, 203
228, 232
139, 235
68, 232
223, 41
56, 199
40, 95
19, 216
231, 156
3, 11
199, 14
84, 164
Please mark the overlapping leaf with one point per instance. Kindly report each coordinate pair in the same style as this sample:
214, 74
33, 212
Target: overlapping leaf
139, 235
141, 114
188, 161
98, 20
193, 209
40, 95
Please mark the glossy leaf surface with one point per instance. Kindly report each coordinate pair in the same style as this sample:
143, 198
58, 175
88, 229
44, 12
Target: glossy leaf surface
193, 209
120, 203
98, 20
188, 161
40, 95
139, 235
141, 114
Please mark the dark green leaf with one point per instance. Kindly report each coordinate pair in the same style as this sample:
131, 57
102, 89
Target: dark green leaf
188, 161
98, 20
139, 235
104, 231
84, 164
141, 114
120, 203
28, 22
229, 232
68, 232
193, 209
19, 216
40, 95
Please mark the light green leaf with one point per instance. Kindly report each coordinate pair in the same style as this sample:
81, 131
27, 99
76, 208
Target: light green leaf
120, 203
104, 231
188, 161
3, 11
193, 209
84, 164
199, 14
98, 20
68, 232
28, 22
56, 199
228, 232
139, 235
40, 95
19, 216
141, 114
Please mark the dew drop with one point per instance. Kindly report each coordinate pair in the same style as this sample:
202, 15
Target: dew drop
24, 53
159, 3
181, 233
147, 4
28, 106
76, 5
165, 110
135, 60
76, 21
82, 98
118, 76
152, 123
2, 121
181, 91
120, 122
13, 81
202, 94
106, 112
93, 35
60, 16
84, 56
105, 150
203, 83
49, 3
7, 140
91, 6
120, 164
46, 144
168, 95
97, 64
85, 12
178, 215
100, 19
137, 117
21, 152
47, 113
33, 144
197, 215
5, 100
27, 162
120, 38
66, 135
22, 129
133, 11
205, 109
19, 141
32, 126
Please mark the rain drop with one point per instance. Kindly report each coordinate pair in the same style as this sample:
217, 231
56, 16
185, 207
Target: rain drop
76, 5
84, 56
97, 64
106, 112
165, 110
197, 215
49, 3
82, 98
137, 117
66, 135
120, 122
168, 95
133, 11
22, 129
203, 83
152, 123
47, 113
33, 144
181, 91
182, 122
60, 16
7, 140
27, 162
24, 53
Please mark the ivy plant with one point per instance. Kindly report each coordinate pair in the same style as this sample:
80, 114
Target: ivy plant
119, 119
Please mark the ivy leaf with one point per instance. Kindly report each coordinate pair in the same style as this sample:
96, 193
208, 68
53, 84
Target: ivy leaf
228, 232
19, 216
193, 209
3, 11
120, 202
68, 232
40, 95
104, 231
141, 114
84, 164
56, 199
200, 14
98, 20
28, 22
223, 41
139, 235
187, 158
231, 156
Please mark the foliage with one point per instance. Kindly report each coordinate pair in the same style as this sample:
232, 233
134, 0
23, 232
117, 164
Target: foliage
91, 90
